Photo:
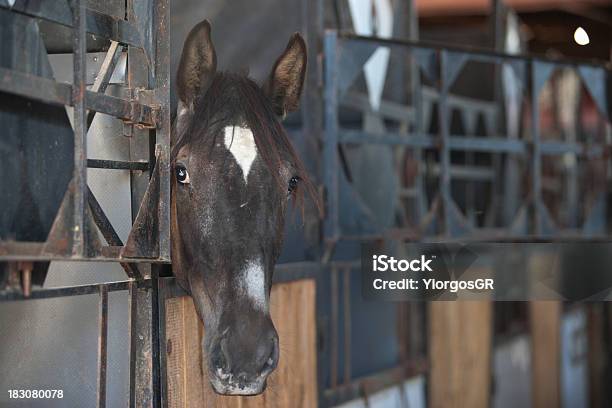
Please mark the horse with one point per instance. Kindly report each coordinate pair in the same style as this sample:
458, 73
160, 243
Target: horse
234, 173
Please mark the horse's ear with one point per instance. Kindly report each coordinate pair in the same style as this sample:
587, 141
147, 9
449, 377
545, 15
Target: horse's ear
198, 64
284, 85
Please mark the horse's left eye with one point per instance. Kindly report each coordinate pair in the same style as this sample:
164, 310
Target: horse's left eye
181, 175
293, 182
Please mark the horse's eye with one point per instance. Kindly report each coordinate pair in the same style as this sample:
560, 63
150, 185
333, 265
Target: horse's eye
181, 175
293, 182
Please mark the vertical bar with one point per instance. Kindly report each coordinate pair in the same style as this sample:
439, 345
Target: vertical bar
536, 158
312, 112
141, 347
444, 142
155, 323
417, 101
161, 29
102, 349
497, 31
132, 308
347, 324
334, 328
161, 302
137, 77
80, 126
330, 147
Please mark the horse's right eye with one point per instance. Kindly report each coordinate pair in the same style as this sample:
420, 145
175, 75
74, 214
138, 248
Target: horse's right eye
181, 175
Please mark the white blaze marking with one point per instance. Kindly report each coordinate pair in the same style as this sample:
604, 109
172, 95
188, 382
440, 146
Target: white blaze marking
253, 281
240, 142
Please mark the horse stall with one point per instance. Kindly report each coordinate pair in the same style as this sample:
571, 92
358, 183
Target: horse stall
410, 137
86, 218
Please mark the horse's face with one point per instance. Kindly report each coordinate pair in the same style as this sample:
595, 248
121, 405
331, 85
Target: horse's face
234, 172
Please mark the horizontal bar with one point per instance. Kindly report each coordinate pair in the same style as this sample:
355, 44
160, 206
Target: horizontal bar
486, 235
483, 54
496, 144
580, 149
66, 291
292, 271
358, 136
465, 172
487, 144
99, 24
117, 165
49, 91
33, 251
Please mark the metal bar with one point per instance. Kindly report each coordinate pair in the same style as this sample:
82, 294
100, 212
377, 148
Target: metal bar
33, 251
102, 345
142, 390
488, 144
48, 91
162, 134
162, 295
473, 144
475, 53
330, 148
417, 94
109, 233
155, 339
102, 221
359, 136
137, 76
133, 310
387, 109
99, 24
79, 246
334, 327
444, 123
472, 173
312, 111
347, 324
536, 159
117, 165
104, 75
289, 272
66, 291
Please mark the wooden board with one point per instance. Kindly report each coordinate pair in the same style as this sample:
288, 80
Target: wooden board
293, 384
545, 325
460, 354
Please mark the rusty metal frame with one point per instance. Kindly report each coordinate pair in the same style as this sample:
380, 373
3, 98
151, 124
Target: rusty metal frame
73, 234
344, 57
145, 38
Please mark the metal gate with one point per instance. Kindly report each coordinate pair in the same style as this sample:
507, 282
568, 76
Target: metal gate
138, 30
488, 155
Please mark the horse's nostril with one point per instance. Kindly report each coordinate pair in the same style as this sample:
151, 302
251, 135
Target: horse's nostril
219, 359
272, 360
242, 380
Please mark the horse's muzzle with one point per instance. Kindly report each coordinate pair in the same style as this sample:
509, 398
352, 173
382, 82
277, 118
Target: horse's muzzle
238, 370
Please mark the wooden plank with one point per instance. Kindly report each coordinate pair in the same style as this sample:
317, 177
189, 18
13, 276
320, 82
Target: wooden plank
294, 383
545, 325
595, 351
460, 353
